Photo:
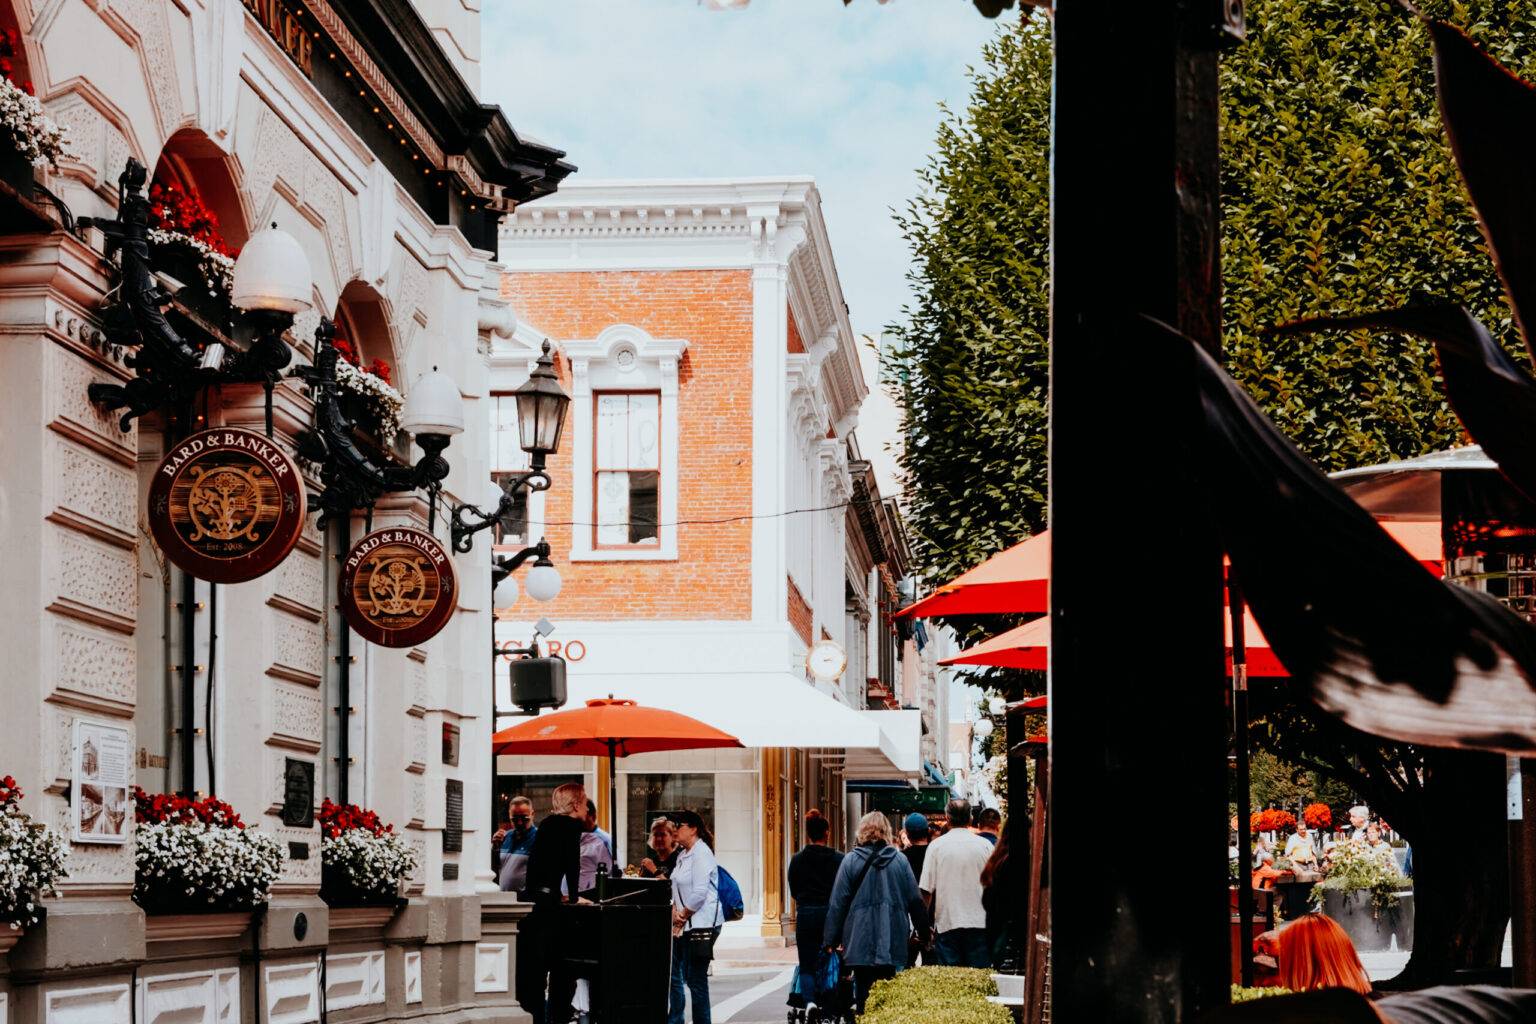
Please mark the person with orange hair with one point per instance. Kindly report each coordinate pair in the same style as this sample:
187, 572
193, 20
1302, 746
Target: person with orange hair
1316, 953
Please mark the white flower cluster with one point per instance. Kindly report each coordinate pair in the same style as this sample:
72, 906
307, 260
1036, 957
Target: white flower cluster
31, 861
385, 401
33, 133
368, 863
217, 269
199, 867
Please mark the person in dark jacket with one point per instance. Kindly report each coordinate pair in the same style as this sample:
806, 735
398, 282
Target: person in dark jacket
918, 835
555, 857
875, 906
812, 872
1000, 896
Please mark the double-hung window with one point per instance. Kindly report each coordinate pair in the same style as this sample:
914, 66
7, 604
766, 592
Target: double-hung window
626, 466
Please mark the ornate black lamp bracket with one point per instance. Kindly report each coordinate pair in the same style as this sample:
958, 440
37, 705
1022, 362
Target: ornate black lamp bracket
169, 370
469, 520
353, 478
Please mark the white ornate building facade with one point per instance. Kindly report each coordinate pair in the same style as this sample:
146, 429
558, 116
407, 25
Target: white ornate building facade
356, 128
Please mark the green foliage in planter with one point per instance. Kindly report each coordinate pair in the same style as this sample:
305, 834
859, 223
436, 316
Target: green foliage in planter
1355, 870
935, 995
1243, 995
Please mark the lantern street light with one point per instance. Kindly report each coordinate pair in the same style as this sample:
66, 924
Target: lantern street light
541, 408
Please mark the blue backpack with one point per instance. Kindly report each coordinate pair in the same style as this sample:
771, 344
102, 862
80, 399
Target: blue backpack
731, 903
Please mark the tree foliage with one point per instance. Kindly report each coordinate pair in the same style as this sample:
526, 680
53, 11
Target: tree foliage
1339, 196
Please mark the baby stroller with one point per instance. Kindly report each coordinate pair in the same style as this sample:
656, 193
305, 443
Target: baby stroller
825, 998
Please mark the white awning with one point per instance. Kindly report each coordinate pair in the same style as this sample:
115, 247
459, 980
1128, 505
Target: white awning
770, 710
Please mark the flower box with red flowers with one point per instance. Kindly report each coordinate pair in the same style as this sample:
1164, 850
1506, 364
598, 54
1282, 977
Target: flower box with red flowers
365, 863
197, 856
31, 863
185, 243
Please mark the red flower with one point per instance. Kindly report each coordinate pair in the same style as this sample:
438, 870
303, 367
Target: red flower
174, 208
380, 369
338, 818
1271, 820
1317, 816
162, 807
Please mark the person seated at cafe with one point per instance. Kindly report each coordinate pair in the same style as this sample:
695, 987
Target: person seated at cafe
1301, 851
661, 856
1316, 953
595, 858
1264, 870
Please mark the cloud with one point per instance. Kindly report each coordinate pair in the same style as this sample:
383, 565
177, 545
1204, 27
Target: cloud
668, 88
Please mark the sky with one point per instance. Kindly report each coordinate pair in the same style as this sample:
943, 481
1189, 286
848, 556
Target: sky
670, 88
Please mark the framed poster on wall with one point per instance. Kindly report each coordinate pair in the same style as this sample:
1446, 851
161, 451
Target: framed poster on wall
101, 788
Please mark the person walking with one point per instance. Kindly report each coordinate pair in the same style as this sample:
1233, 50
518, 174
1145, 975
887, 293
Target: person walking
951, 883
918, 834
875, 905
516, 845
812, 873
1000, 892
553, 862
696, 919
661, 857
989, 824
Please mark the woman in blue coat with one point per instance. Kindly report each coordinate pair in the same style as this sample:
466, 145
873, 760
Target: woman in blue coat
875, 906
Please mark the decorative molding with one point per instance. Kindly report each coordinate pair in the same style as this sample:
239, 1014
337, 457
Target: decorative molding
298, 718
92, 581
293, 992
491, 966
298, 649
200, 997
91, 493
93, 664
202, 927
624, 358
412, 977
354, 979
86, 1005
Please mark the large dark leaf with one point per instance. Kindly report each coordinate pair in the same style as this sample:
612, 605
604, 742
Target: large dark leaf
1490, 117
1494, 398
1362, 628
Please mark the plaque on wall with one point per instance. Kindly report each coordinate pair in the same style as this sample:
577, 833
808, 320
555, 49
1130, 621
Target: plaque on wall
226, 505
398, 587
101, 759
450, 872
450, 743
298, 793
453, 815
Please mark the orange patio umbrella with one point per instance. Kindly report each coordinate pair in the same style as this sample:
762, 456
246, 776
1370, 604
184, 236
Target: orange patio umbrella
1017, 581
1029, 644
613, 728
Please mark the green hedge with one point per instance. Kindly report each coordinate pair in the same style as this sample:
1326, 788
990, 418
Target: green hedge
936, 995
1243, 995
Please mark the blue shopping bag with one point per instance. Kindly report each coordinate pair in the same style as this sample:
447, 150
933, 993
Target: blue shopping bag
829, 970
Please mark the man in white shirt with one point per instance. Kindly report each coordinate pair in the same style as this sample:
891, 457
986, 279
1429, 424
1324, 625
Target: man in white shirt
951, 885
1299, 848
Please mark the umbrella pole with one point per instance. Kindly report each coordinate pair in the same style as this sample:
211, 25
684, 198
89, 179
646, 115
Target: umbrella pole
613, 800
1240, 743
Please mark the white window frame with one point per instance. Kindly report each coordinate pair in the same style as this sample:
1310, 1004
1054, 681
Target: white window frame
622, 358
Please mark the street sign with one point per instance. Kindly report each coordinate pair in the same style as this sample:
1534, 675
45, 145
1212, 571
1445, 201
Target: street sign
398, 587
226, 505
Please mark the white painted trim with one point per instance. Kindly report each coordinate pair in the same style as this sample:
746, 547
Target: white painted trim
491, 966
102, 1004
354, 979
292, 991
623, 358
412, 977
218, 996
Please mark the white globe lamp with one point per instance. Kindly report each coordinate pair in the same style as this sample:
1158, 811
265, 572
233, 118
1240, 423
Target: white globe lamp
505, 595
543, 581
982, 728
433, 407
272, 274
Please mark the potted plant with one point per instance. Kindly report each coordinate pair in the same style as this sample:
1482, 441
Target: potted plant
1366, 894
31, 863
34, 138
368, 397
185, 242
364, 862
198, 857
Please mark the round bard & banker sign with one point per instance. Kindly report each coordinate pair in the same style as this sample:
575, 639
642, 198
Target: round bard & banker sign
397, 587
227, 505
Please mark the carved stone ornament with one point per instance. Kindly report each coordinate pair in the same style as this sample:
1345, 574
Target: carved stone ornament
398, 587
227, 505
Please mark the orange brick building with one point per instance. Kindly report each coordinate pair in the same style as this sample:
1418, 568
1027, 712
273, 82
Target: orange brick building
702, 505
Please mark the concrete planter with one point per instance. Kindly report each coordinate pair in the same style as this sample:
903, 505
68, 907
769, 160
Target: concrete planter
9, 937
1369, 929
202, 927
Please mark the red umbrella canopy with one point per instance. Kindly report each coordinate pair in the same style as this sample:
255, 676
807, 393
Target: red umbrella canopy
609, 727
1017, 581
1029, 644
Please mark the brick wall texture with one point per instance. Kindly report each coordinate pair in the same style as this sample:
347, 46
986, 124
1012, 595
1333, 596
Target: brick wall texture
796, 343
799, 611
712, 310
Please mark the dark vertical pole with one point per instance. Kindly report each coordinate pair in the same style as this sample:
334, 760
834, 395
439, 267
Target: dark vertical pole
1236, 608
188, 744
1135, 226
343, 676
